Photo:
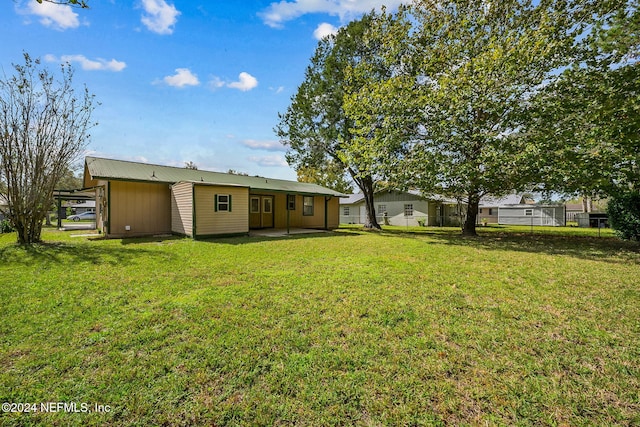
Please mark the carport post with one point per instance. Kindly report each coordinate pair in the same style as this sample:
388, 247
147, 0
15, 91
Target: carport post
288, 213
59, 204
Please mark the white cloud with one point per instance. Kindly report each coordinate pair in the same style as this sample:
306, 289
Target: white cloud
98, 64
264, 145
324, 30
269, 161
278, 13
59, 17
246, 82
160, 17
183, 77
215, 83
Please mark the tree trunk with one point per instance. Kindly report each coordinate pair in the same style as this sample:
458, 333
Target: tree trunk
371, 221
367, 188
469, 227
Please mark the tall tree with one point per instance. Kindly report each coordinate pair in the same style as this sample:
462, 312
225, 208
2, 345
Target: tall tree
44, 127
588, 120
457, 97
329, 175
75, 3
316, 128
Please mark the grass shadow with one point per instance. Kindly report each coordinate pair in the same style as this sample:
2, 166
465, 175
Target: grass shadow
606, 249
70, 253
247, 240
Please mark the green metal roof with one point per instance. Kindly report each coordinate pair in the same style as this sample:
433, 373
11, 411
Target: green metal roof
109, 169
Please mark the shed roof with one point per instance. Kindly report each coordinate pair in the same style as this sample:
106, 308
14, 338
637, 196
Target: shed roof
510, 199
109, 169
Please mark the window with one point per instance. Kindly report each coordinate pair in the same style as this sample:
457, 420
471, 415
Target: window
481, 211
255, 205
408, 209
528, 212
291, 202
382, 209
307, 205
267, 205
490, 211
345, 211
222, 203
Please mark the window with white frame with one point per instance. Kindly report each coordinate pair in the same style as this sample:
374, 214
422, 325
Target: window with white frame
382, 209
528, 212
222, 203
307, 206
255, 205
345, 211
408, 209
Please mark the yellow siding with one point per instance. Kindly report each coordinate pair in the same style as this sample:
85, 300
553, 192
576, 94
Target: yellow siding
210, 222
182, 208
296, 217
144, 207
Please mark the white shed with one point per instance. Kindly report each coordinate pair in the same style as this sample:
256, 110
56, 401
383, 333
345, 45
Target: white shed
523, 214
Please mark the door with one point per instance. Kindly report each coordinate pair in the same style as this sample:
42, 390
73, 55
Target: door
260, 211
363, 214
548, 216
267, 212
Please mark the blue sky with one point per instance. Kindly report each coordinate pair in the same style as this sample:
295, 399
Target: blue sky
182, 81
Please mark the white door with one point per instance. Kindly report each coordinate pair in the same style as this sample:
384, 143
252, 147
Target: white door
363, 214
548, 216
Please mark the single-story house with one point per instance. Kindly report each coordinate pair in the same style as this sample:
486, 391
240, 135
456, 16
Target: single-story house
85, 206
403, 208
592, 219
4, 207
572, 209
134, 199
488, 207
529, 214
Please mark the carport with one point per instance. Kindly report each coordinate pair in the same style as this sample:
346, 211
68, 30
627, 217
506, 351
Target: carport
83, 194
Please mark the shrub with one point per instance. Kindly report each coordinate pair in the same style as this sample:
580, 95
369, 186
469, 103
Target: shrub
624, 215
5, 226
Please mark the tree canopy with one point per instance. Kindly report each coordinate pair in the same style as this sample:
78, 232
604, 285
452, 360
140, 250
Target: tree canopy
76, 3
316, 128
454, 104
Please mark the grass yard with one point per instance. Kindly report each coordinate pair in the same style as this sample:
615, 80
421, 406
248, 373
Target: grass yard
346, 328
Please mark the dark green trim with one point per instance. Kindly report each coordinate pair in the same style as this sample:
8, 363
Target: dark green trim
213, 236
193, 210
108, 208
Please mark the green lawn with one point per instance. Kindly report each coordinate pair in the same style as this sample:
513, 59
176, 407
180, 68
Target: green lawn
404, 327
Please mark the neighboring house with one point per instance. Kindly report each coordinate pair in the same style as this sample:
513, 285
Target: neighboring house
86, 206
4, 207
488, 207
401, 208
572, 209
592, 219
530, 214
134, 199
